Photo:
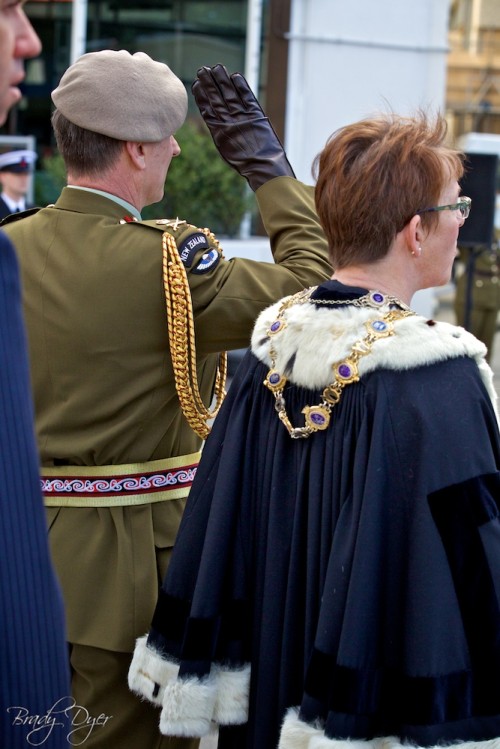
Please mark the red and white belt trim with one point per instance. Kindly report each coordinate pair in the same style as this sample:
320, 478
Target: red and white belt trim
119, 485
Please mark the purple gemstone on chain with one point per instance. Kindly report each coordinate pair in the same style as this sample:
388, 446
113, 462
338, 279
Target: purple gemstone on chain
317, 418
274, 378
275, 326
344, 370
379, 325
377, 297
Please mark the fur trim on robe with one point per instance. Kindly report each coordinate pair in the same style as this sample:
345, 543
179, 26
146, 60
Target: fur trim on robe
316, 338
149, 673
295, 734
190, 706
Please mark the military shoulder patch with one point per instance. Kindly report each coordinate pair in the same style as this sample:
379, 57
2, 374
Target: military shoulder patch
208, 261
190, 246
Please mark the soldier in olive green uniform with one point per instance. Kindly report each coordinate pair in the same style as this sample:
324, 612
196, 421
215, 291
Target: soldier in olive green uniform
485, 296
127, 320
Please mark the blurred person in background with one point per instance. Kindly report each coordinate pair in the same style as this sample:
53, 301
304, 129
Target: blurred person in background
481, 280
16, 172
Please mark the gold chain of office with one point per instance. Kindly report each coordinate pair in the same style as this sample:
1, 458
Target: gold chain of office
345, 372
180, 322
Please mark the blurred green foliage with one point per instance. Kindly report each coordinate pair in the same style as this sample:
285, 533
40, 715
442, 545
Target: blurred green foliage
50, 180
200, 187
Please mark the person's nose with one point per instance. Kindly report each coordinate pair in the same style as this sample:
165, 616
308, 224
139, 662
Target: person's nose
28, 43
176, 149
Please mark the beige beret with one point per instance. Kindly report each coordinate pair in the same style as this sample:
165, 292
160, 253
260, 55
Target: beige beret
124, 96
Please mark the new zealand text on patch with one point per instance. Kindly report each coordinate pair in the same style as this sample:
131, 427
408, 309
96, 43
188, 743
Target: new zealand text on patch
190, 246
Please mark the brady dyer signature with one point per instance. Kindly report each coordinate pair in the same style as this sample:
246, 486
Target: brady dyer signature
65, 714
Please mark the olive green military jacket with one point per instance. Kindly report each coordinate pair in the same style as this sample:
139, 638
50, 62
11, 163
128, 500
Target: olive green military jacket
102, 375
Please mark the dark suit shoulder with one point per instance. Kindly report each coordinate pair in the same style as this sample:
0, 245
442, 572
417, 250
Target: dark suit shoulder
17, 216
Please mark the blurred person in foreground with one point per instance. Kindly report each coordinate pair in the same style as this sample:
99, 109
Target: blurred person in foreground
336, 576
122, 387
33, 656
16, 170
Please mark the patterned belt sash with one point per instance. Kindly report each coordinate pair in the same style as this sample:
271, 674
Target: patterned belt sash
120, 485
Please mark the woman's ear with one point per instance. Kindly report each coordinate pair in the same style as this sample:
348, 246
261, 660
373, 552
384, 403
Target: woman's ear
414, 235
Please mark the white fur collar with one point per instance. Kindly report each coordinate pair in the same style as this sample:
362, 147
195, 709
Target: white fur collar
316, 338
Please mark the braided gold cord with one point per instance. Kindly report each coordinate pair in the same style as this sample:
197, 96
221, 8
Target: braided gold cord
181, 337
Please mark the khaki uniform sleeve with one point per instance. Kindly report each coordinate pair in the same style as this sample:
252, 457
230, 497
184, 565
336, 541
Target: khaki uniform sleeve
229, 295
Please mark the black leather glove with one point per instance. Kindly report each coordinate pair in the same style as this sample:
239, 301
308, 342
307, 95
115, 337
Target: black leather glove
242, 133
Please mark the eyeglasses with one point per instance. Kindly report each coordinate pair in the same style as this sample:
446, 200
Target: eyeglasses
463, 206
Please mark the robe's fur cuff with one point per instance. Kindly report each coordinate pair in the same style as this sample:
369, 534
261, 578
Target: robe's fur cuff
149, 673
188, 707
296, 734
233, 688
192, 707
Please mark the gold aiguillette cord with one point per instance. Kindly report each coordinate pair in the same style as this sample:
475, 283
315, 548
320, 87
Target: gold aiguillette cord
181, 338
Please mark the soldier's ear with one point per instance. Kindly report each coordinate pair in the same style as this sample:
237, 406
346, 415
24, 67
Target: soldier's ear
136, 153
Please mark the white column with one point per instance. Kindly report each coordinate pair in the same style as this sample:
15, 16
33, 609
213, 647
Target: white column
253, 43
252, 72
78, 30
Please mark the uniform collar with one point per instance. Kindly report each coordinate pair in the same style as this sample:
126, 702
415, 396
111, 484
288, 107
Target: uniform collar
127, 206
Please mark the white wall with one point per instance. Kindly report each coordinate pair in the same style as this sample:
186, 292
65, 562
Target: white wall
350, 59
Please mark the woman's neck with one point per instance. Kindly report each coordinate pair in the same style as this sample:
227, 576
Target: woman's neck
375, 277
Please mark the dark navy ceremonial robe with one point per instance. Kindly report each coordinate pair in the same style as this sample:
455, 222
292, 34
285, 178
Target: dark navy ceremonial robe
357, 572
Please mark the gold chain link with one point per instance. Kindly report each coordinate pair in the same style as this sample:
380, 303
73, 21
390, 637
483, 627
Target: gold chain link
180, 322
317, 417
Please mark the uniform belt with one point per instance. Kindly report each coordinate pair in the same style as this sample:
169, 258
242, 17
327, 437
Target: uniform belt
119, 485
